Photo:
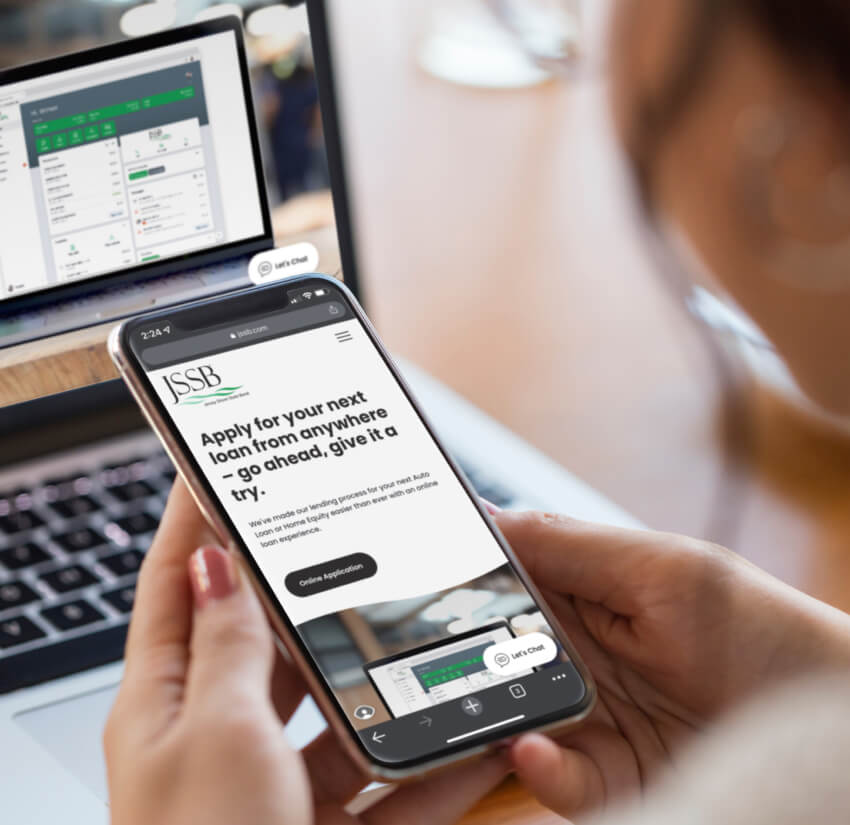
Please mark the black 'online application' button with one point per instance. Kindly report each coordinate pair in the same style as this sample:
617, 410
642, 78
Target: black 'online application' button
329, 574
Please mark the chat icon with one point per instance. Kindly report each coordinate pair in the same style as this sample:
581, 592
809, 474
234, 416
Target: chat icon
274, 264
502, 659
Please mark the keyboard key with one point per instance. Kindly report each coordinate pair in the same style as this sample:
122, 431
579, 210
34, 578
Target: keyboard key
132, 490
16, 594
69, 578
69, 487
19, 521
76, 541
123, 564
76, 506
11, 495
64, 481
121, 599
62, 658
72, 615
24, 555
23, 500
137, 523
114, 468
18, 631
115, 474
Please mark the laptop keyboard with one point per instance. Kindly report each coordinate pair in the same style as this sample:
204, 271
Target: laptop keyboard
70, 551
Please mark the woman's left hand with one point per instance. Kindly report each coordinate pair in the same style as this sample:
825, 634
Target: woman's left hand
196, 733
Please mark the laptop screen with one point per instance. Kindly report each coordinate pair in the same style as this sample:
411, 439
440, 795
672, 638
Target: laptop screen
124, 162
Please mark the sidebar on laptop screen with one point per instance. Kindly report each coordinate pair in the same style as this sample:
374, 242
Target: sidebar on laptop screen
128, 162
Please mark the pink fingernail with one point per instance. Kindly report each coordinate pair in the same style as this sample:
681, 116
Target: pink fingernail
491, 508
212, 574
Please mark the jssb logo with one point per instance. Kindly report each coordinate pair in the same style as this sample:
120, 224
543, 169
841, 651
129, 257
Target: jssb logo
196, 385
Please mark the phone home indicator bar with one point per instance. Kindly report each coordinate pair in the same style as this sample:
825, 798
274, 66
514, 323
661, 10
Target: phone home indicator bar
485, 729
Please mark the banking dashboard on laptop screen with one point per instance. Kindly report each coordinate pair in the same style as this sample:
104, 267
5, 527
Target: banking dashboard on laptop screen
125, 163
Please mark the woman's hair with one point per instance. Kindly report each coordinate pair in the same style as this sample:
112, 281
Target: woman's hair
813, 35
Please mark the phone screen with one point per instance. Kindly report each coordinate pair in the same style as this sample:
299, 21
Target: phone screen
378, 556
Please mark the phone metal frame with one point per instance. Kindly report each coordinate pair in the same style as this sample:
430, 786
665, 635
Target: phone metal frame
287, 637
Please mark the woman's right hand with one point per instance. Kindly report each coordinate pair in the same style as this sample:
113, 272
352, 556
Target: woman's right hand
674, 630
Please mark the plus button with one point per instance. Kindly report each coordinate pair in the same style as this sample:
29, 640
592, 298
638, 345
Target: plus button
472, 706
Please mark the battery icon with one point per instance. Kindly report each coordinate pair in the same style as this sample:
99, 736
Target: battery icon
320, 292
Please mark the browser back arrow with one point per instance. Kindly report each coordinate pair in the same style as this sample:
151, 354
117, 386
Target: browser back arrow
378, 737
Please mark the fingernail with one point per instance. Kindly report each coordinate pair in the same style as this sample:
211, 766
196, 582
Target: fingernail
212, 574
491, 508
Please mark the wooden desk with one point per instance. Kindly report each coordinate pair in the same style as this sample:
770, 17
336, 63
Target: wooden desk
509, 804
79, 358
500, 220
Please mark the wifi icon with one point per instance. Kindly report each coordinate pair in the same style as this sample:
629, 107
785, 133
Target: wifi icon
307, 295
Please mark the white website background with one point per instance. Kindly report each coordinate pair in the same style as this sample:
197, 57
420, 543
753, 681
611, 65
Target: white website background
409, 513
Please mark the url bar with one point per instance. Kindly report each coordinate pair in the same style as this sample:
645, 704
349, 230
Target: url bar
270, 326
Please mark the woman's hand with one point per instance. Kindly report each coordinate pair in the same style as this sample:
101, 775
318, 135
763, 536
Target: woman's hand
674, 631
196, 734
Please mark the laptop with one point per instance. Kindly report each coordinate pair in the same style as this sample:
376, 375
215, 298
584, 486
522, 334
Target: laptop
130, 177
83, 482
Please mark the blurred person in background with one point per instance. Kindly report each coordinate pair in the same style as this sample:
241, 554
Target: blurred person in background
735, 117
289, 102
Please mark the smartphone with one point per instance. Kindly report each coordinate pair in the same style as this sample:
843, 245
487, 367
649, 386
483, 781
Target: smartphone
420, 636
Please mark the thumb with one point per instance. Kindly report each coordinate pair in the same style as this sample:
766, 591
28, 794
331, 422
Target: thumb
591, 561
565, 780
231, 653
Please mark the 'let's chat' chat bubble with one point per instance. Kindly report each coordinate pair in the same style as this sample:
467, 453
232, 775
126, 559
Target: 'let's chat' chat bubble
520, 653
275, 264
